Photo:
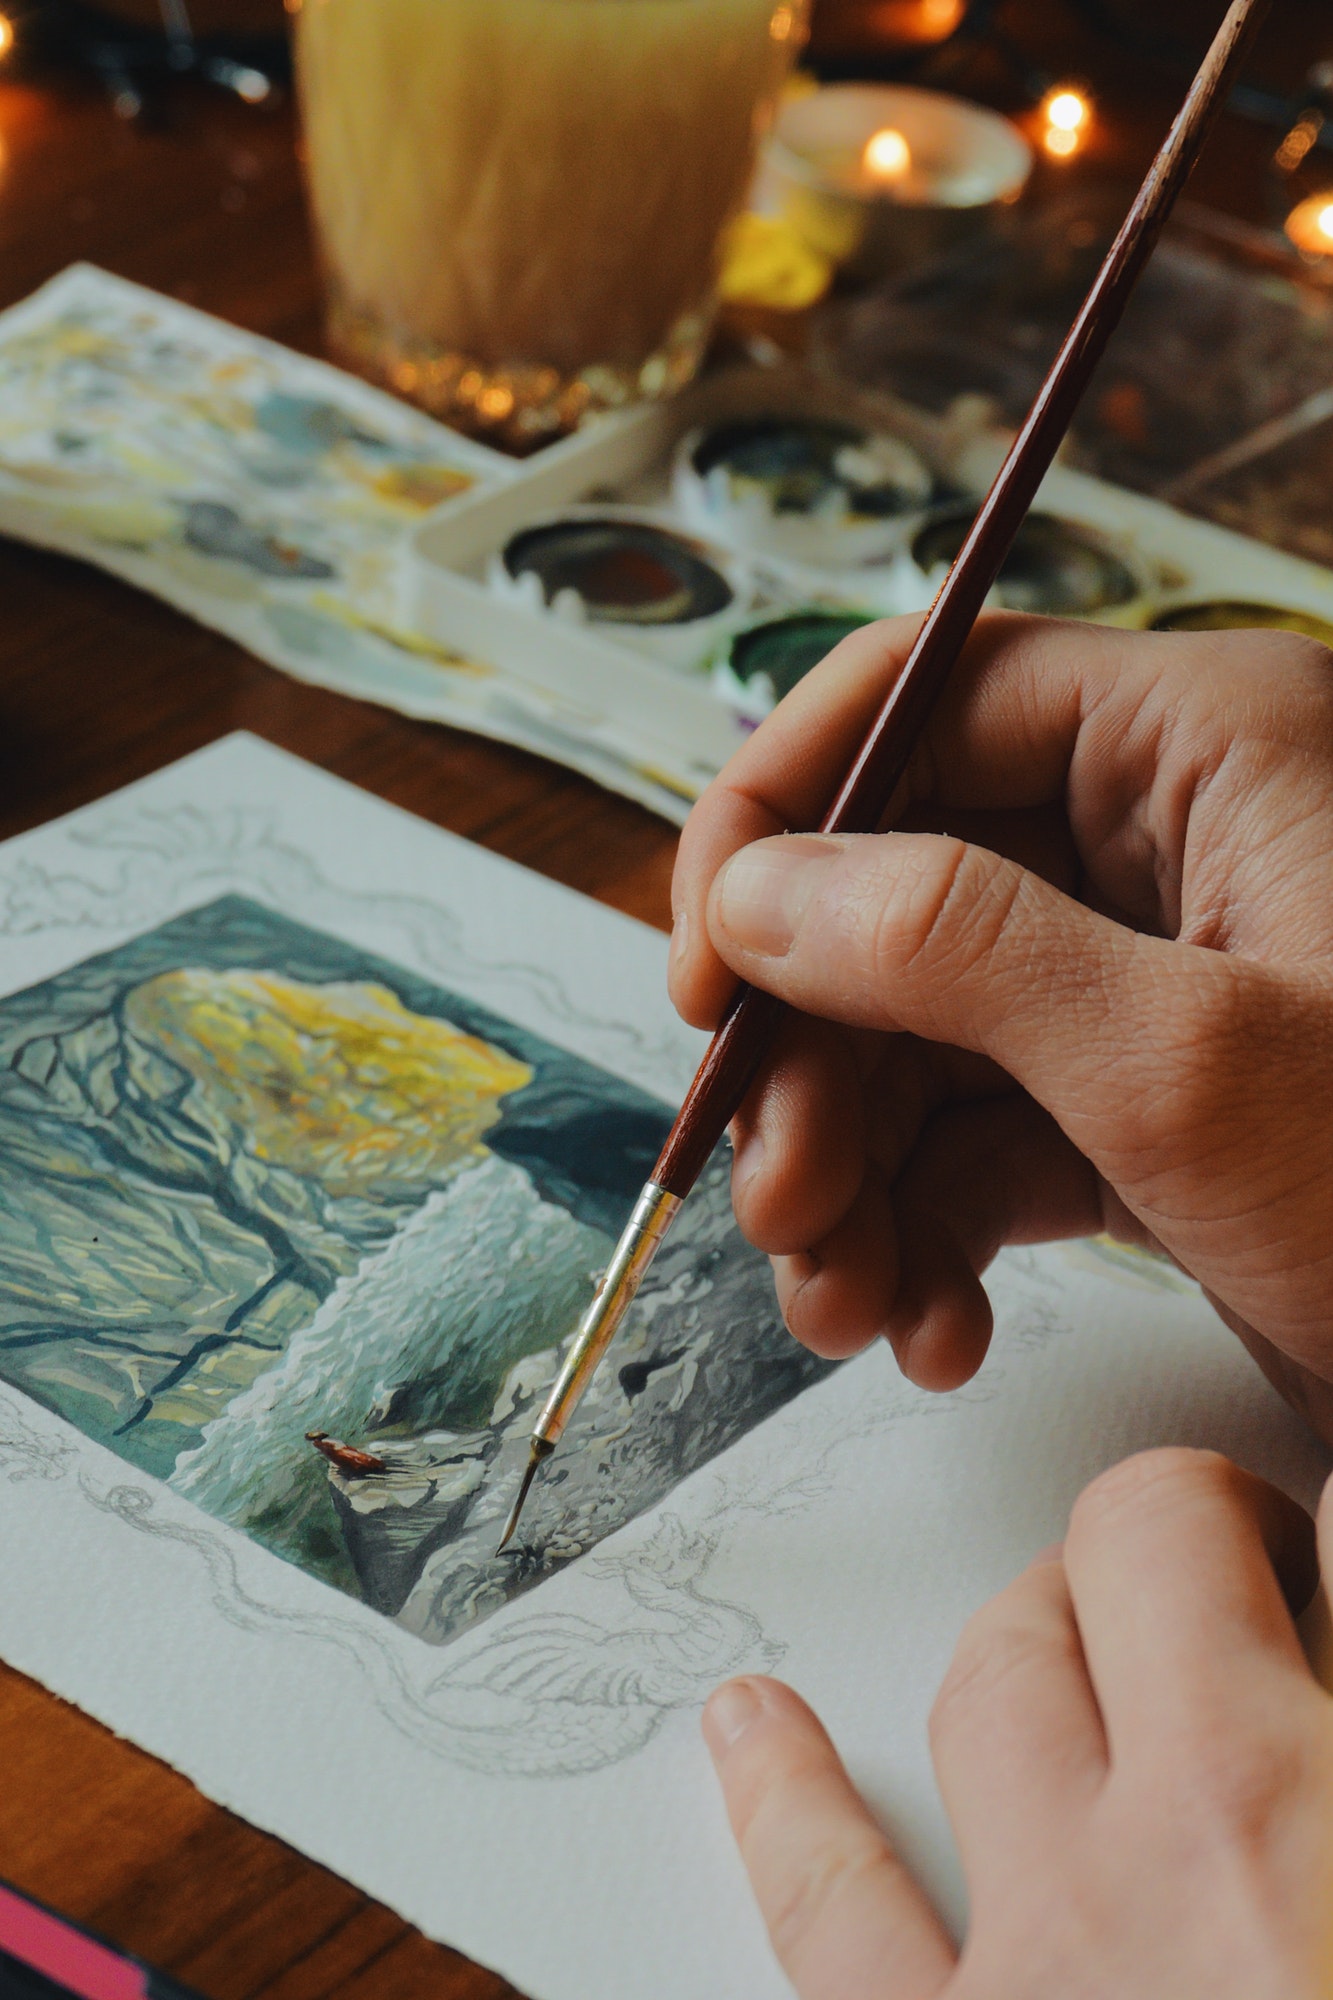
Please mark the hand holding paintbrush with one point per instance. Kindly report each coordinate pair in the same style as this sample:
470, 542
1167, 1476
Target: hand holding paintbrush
1089, 992
744, 1037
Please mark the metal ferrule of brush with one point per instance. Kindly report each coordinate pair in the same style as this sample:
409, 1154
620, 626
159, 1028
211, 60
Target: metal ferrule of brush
653, 1215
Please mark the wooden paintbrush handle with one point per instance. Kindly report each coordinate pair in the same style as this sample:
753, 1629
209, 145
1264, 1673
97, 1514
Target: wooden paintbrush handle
742, 1041
719, 1088
897, 729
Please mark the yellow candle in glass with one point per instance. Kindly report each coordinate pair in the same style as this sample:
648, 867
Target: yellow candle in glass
535, 182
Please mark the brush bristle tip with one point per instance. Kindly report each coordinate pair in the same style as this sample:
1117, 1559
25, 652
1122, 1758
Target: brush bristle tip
540, 1451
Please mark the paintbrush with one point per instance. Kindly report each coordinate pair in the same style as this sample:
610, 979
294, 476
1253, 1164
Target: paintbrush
743, 1039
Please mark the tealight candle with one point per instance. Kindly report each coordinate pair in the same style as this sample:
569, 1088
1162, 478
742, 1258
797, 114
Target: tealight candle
1310, 225
880, 176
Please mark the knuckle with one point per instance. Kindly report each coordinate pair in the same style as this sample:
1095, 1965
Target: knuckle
796, 1915
1148, 1484
906, 929
996, 1649
1206, 1050
1274, 682
1230, 1785
1296, 669
956, 905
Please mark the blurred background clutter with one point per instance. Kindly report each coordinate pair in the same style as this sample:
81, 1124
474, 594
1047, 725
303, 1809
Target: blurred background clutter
855, 254
939, 182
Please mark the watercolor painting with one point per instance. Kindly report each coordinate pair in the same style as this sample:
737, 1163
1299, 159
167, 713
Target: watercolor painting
302, 1233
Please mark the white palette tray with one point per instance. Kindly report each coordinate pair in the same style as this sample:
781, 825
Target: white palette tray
666, 720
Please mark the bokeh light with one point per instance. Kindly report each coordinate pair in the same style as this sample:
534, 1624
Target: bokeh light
1066, 116
1310, 224
1066, 110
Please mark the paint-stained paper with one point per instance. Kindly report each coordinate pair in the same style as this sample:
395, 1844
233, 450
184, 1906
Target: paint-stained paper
262, 492
316, 1119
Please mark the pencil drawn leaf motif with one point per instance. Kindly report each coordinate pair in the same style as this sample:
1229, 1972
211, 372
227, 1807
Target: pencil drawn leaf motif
552, 1695
143, 860
667, 1652
27, 1453
563, 1692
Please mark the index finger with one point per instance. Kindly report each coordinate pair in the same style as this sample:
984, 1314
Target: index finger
846, 1919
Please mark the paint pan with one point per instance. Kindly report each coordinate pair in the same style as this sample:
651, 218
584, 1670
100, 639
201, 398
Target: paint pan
765, 663
1240, 617
622, 569
805, 489
1056, 568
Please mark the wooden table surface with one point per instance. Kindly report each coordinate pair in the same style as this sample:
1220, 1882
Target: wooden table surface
100, 685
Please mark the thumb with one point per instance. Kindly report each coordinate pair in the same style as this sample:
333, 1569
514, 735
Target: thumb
925, 934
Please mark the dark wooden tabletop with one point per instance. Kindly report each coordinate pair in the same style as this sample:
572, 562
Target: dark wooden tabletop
100, 685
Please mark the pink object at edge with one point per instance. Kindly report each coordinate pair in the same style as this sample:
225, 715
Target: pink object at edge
51, 1946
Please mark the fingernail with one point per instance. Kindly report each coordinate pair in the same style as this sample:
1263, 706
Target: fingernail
680, 941
765, 890
728, 1714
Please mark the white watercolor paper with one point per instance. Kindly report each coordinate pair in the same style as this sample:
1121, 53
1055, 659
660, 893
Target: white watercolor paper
531, 1789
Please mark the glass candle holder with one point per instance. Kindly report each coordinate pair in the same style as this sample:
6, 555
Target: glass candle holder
519, 202
883, 176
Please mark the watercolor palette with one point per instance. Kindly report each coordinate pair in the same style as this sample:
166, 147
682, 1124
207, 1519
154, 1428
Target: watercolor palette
672, 571
629, 603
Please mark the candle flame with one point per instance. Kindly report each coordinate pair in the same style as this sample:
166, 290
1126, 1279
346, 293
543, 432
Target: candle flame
887, 155
1067, 114
1324, 222
1066, 110
6, 35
